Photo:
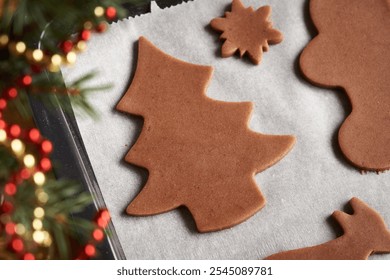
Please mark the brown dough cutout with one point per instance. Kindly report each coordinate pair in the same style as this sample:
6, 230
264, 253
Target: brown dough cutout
352, 51
365, 233
200, 153
246, 31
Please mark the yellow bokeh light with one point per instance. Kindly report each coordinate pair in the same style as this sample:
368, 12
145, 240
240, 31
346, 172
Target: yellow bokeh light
53, 68
20, 47
29, 161
39, 178
81, 46
88, 25
46, 239
20, 229
71, 57
3, 135
38, 236
42, 197
4, 39
99, 11
37, 55
56, 60
39, 212
37, 224
17, 147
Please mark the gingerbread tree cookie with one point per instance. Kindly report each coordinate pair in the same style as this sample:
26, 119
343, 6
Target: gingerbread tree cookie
352, 51
365, 233
246, 31
200, 153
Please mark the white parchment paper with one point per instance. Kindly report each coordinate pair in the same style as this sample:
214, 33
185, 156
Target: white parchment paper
302, 190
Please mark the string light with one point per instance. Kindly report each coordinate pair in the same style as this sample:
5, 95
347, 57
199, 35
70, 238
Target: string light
46, 146
3, 124
37, 224
12, 92
15, 130
46, 239
4, 39
53, 68
39, 178
25, 173
38, 236
67, 46
3, 135
90, 250
85, 35
29, 161
81, 46
15, 139
56, 60
42, 197
26, 80
37, 55
98, 234
3, 104
34, 135
10, 228
17, 147
20, 47
20, 229
45, 164
99, 11
102, 27
39, 212
7, 207
17, 245
29, 256
10, 189
88, 25
111, 13
53, 63
71, 57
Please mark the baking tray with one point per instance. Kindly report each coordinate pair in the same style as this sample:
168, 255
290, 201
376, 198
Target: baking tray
61, 128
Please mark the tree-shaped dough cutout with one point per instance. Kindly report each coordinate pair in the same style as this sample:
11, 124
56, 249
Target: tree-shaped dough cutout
200, 153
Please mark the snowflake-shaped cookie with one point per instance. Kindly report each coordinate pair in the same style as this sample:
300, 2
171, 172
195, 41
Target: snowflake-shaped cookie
247, 31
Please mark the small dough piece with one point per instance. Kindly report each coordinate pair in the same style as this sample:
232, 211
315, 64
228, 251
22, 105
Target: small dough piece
365, 233
246, 31
352, 51
200, 153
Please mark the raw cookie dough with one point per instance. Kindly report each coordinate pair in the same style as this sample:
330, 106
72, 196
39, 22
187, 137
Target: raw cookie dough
365, 233
200, 152
352, 51
246, 31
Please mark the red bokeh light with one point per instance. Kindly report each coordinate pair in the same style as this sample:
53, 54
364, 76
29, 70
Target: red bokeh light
10, 189
85, 35
28, 256
98, 234
10, 228
34, 135
90, 250
26, 80
17, 245
15, 130
3, 104
12, 92
111, 13
47, 146
45, 164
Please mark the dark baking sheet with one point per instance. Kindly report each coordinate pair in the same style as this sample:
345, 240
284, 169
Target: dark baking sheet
70, 154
